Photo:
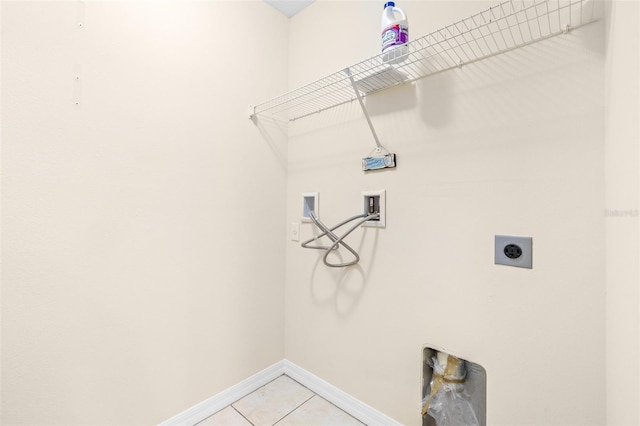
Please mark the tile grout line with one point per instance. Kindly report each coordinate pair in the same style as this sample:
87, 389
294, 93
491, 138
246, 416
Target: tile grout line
237, 411
301, 404
255, 390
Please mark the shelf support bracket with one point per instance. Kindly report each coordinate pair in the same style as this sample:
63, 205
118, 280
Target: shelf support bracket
382, 159
379, 147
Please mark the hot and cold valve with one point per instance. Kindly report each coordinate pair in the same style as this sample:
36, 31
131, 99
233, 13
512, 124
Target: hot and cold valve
375, 202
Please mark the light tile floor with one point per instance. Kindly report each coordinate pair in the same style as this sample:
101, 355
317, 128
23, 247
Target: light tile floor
282, 402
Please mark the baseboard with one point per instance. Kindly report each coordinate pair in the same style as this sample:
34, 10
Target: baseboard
358, 409
212, 405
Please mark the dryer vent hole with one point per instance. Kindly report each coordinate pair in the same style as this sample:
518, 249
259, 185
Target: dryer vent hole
512, 251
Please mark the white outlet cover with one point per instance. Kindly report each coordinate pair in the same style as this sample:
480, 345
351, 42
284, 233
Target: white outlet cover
310, 201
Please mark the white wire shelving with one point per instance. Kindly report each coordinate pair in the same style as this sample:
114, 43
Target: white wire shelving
499, 29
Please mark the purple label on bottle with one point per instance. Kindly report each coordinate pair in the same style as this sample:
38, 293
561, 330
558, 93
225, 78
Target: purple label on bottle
394, 35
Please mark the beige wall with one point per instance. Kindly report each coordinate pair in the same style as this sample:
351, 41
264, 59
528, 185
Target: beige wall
622, 196
142, 229
511, 145
137, 280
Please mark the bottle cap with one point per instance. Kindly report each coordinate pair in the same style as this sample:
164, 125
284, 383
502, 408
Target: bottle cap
389, 4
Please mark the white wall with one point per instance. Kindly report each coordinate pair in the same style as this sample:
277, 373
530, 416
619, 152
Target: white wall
142, 229
512, 145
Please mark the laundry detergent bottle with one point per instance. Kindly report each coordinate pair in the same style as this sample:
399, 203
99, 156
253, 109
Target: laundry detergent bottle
395, 34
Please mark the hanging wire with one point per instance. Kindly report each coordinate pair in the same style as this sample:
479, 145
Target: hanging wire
337, 240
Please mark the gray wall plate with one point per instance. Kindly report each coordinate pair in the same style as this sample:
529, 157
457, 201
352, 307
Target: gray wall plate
513, 251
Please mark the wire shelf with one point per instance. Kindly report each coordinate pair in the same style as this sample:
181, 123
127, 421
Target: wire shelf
501, 28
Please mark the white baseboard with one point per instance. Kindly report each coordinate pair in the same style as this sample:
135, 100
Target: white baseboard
212, 405
356, 408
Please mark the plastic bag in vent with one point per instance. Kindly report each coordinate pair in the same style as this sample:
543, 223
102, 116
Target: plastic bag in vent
447, 400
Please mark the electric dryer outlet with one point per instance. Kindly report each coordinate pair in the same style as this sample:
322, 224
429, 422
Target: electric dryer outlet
513, 251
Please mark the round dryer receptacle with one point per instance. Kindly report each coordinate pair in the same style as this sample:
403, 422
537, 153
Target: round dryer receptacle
512, 251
